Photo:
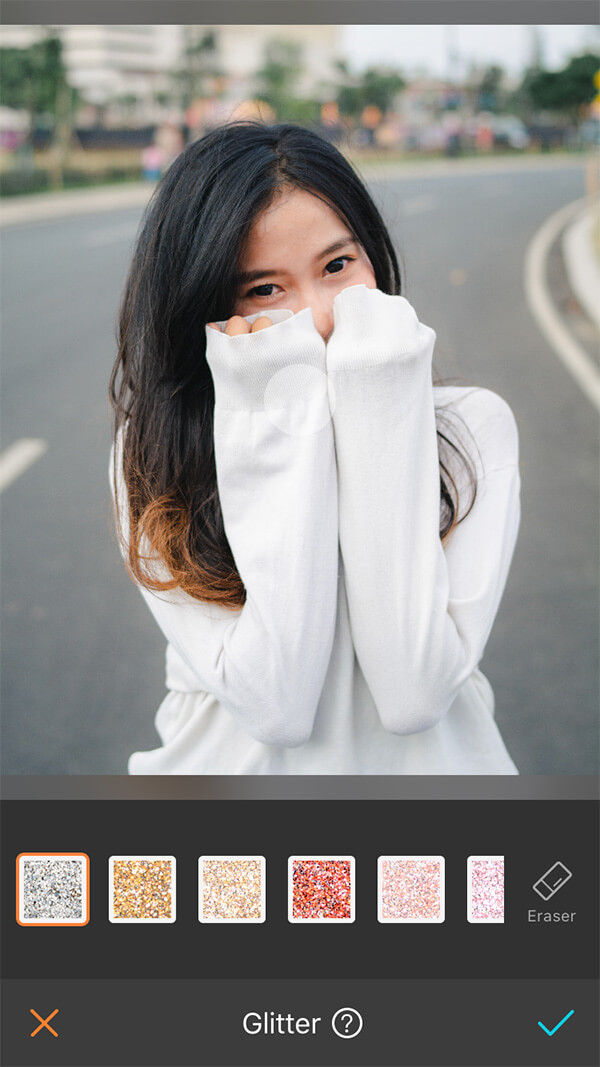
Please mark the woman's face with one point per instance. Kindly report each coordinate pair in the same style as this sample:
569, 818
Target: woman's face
300, 254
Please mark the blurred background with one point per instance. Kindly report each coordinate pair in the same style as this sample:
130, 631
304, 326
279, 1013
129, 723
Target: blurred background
480, 146
87, 103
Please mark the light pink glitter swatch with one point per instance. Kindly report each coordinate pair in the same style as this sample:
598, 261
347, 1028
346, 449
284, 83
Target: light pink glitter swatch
485, 889
410, 889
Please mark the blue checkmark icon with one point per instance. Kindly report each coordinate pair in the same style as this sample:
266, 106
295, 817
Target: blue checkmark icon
558, 1025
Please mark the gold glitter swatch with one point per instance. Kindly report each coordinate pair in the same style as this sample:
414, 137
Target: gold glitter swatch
142, 889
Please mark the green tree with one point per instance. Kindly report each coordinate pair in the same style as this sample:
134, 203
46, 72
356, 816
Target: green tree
519, 101
577, 81
34, 78
15, 73
49, 76
490, 97
565, 90
196, 78
377, 86
277, 83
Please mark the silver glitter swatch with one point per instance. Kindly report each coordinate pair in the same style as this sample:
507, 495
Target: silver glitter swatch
52, 889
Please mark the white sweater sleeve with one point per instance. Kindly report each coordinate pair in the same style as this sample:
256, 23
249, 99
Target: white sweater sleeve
420, 614
266, 663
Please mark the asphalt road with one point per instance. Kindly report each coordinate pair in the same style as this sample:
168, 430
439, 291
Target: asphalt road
83, 659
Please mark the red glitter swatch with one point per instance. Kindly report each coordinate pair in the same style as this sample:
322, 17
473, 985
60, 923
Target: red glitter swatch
321, 889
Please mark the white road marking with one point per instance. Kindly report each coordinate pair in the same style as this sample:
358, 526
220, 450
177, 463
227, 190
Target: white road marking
416, 205
18, 457
571, 354
110, 234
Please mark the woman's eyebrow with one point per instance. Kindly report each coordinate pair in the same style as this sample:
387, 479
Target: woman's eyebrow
251, 275
348, 239
246, 276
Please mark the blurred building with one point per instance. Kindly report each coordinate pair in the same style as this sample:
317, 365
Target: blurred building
126, 68
241, 50
138, 73
238, 54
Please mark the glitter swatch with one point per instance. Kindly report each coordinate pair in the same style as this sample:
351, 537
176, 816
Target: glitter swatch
321, 889
231, 889
53, 889
410, 889
485, 889
141, 889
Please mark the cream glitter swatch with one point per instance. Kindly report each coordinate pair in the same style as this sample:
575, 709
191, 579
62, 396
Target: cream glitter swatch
231, 889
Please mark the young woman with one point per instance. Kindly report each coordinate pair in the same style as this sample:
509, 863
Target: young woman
322, 536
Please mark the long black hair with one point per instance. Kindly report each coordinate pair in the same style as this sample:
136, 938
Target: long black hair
184, 274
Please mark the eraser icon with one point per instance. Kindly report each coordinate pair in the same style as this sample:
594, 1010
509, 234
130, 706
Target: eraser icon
552, 880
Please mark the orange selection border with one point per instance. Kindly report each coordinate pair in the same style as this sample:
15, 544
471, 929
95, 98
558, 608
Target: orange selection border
86, 867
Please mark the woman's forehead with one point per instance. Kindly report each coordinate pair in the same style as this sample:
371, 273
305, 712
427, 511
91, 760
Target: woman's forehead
294, 220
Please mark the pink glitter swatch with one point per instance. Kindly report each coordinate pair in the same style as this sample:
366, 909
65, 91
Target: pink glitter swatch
321, 889
410, 889
485, 889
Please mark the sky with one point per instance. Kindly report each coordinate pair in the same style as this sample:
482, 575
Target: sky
428, 47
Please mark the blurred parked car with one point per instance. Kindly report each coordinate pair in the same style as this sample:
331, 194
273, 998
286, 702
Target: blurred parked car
509, 132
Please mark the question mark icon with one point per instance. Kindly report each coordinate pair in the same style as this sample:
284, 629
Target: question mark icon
347, 1022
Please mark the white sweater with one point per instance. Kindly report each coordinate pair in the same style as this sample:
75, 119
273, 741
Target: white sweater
356, 651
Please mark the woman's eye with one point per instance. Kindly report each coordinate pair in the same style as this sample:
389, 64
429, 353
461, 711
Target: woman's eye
338, 264
262, 290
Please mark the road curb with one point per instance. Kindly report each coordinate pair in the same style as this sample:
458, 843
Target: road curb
560, 340
581, 261
23, 209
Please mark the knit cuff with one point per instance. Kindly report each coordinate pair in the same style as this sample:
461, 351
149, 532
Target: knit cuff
372, 328
243, 366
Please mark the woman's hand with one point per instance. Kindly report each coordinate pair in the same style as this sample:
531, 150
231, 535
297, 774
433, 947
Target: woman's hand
237, 325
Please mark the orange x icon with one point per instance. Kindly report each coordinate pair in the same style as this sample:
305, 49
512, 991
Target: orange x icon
44, 1022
